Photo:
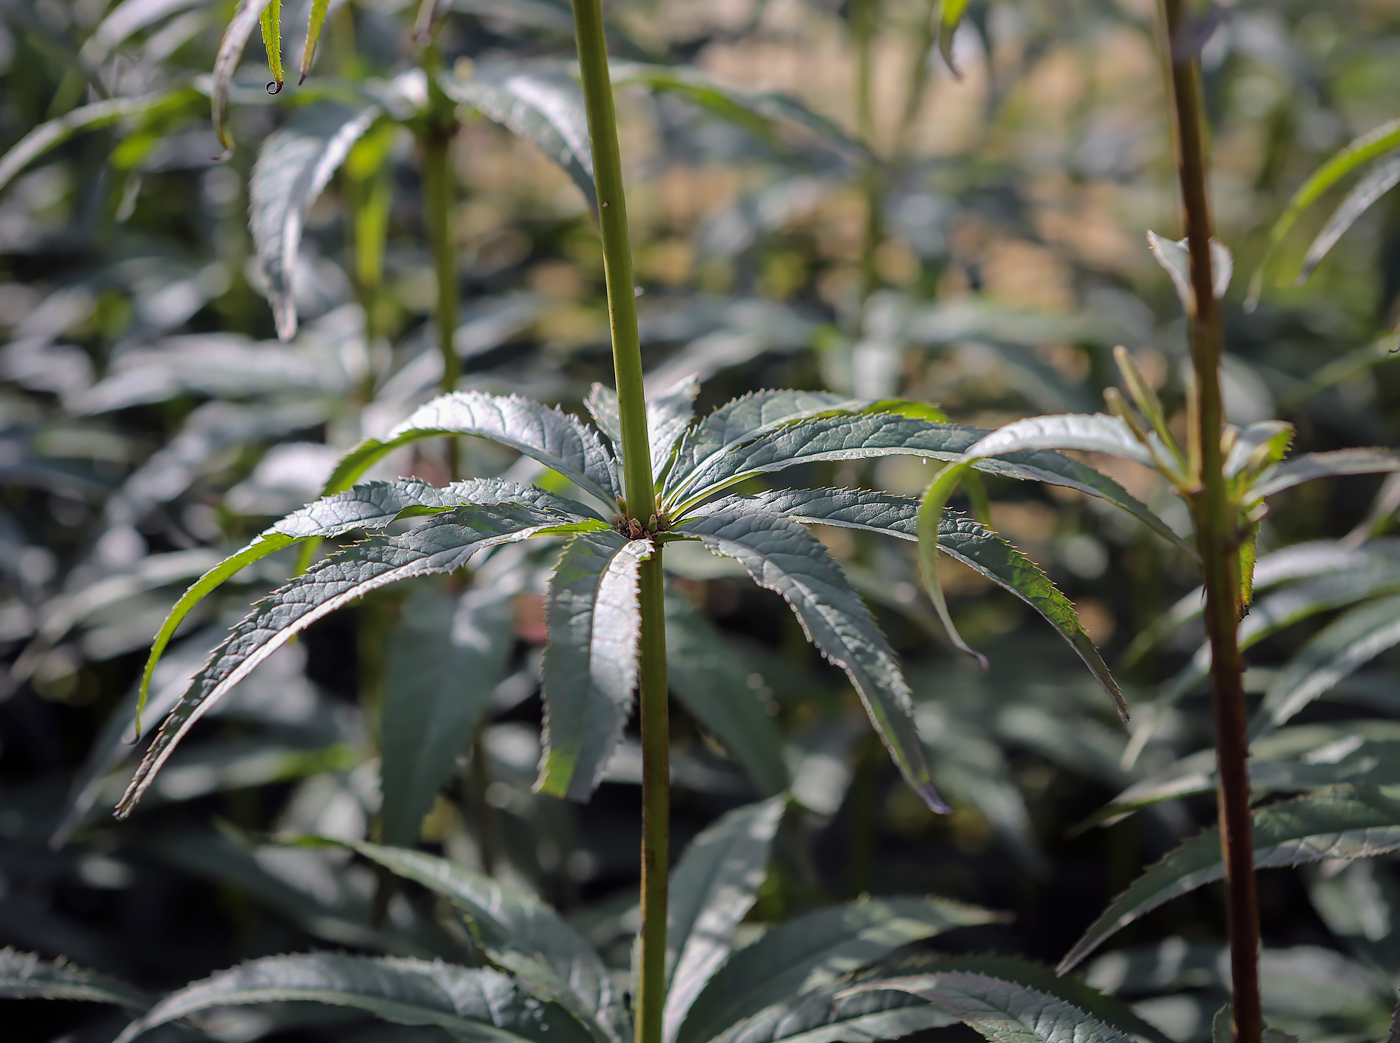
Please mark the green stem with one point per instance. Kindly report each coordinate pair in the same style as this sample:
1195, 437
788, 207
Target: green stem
640, 505
863, 19
1218, 540
439, 127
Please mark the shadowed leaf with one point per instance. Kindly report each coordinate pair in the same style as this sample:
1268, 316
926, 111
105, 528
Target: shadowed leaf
235, 38
24, 975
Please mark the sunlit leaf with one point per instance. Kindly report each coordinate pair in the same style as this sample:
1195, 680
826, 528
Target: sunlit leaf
590, 664
948, 22
1384, 176
24, 975
783, 557
315, 23
1350, 822
294, 166
1175, 259
712, 889
271, 22
1096, 433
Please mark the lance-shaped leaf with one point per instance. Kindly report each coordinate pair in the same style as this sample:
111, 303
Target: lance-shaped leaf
88, 117
1310, 466
559, 441
759, 111
590, 664
961, 538
442, 664
24, 976
539, 102
1369, 146
744, 419
371, 506
1340, 648
519, 933
815, 950
271, 22
712, 889
1379, 180
315, 22
294, 166
443, 544
711, 681
235, 38
1005, 1011
474, 1006
1175, 259
1094, 433
783, 557
948, 21
1349, 822
867, 435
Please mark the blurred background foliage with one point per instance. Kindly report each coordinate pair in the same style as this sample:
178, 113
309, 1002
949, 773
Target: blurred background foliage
975, 242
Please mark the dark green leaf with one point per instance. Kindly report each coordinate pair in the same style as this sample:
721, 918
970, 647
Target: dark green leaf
590, 664
815, 950
235, 38
1349, 822
783, 557
294, 166
24, 975
443, 544
712, 889
441, 666
475, 1006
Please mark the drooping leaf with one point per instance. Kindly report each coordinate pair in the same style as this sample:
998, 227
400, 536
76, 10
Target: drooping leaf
520, 934
271, 22
1005, 1011
815, 950
712, 889
1341, 647
962, 539
783, 557
371, 506
867, 435
590, 664
474, 1006
1309, 466
1369, 146
24, 975
758, 111
125, 20
948, 22
559, 441
1349, 822
316, 21
294, 166
537, 101
235, 38
712, 683
1175, 259
87, 117
443, 544
1379, 180
930, 521
441, 666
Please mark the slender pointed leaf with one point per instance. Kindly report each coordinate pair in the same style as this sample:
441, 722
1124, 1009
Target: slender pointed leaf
520, 933
1309, 466
1379, 180
315, 23
1346, 823
443, 544
294, 166
783, 557
1004, 1011
474, 1006
1347, 643
235, 38
815, 950
1175, 259
866, 435
539, 102
961, 538
712, 889
590, 664
1096, 433
24, 975
559, 441
442, 664
930, 520
711, 681
271, 22
949, 20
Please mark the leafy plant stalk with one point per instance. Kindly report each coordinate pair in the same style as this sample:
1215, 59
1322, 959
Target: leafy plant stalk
640, 507
437, 212
1217, 527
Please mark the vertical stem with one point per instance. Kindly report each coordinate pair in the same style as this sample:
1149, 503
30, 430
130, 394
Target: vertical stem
1218, 540
863, 18
641, 506
439, 127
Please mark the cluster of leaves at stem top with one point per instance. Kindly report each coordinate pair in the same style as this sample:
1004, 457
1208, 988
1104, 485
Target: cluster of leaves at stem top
843, 972
590, 661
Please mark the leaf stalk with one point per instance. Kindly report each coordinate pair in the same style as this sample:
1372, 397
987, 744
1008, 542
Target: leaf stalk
1218, 538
